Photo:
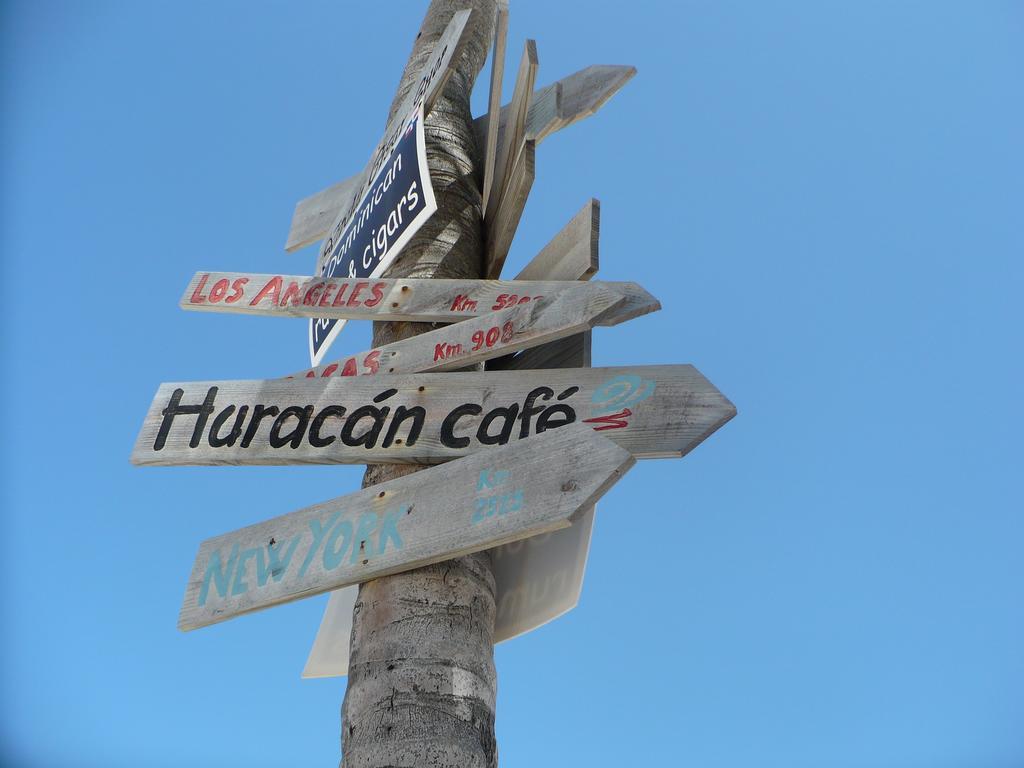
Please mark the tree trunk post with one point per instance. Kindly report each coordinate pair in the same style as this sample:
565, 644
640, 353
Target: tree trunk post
421, 680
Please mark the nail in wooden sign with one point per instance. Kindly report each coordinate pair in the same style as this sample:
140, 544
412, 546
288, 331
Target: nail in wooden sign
523, 489
651, 411
401, 300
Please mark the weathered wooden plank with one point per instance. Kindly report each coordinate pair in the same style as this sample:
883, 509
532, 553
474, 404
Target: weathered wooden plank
553, 107
502, 228
524, 489
480, 338
313, 215
572, 254
513, 133
540, 578
494, 98
586, 91
652, 411
393, 300
563, 353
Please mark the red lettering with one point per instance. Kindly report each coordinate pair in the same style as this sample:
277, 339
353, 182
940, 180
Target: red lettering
312, 294
438, 352
329, 370
197, 294
370, 361
611, 421
338, 300
218, 290
238, 291
350, 368
378, 295
328, 288
355, 294
310, 374
273, 286
291, 293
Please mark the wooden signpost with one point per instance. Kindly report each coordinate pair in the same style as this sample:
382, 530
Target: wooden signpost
652, 411
528, 445
522, 489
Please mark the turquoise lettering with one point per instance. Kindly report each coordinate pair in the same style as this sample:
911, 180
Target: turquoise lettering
334, 555
240, 587
389, 530
318, 536
278, 565
219, 574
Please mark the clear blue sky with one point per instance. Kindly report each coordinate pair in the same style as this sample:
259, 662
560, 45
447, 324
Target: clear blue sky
826, 197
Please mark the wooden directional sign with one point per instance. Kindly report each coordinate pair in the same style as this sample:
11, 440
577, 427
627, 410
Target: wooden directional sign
523, 489
652, 411
491, 335
552, 108
401, 300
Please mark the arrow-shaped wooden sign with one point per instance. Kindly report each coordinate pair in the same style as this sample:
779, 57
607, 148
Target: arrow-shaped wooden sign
401, 300
523, 489
652, 411
487, 336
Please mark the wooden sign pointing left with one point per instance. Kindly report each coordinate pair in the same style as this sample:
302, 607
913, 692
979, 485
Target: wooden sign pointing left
524, 489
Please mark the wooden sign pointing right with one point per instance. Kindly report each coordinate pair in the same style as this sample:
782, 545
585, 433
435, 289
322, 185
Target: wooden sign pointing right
425, 418
402, 300
484, 337
530, 487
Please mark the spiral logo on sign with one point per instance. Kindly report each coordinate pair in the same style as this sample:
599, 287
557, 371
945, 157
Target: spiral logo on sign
621, 392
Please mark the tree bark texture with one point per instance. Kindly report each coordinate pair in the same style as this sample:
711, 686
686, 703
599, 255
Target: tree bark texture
421, 681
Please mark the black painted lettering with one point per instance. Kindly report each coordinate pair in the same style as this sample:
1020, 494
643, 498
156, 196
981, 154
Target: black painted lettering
215, 440
508, 414
301, 415
448, 437
315, 440
530, 410
259, 412
418, 416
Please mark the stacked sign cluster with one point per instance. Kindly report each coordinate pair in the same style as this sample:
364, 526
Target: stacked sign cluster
529, 444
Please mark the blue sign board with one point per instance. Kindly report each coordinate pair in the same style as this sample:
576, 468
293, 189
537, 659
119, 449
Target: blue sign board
365, 241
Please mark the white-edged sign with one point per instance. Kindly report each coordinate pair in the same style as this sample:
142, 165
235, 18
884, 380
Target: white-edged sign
396, 196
